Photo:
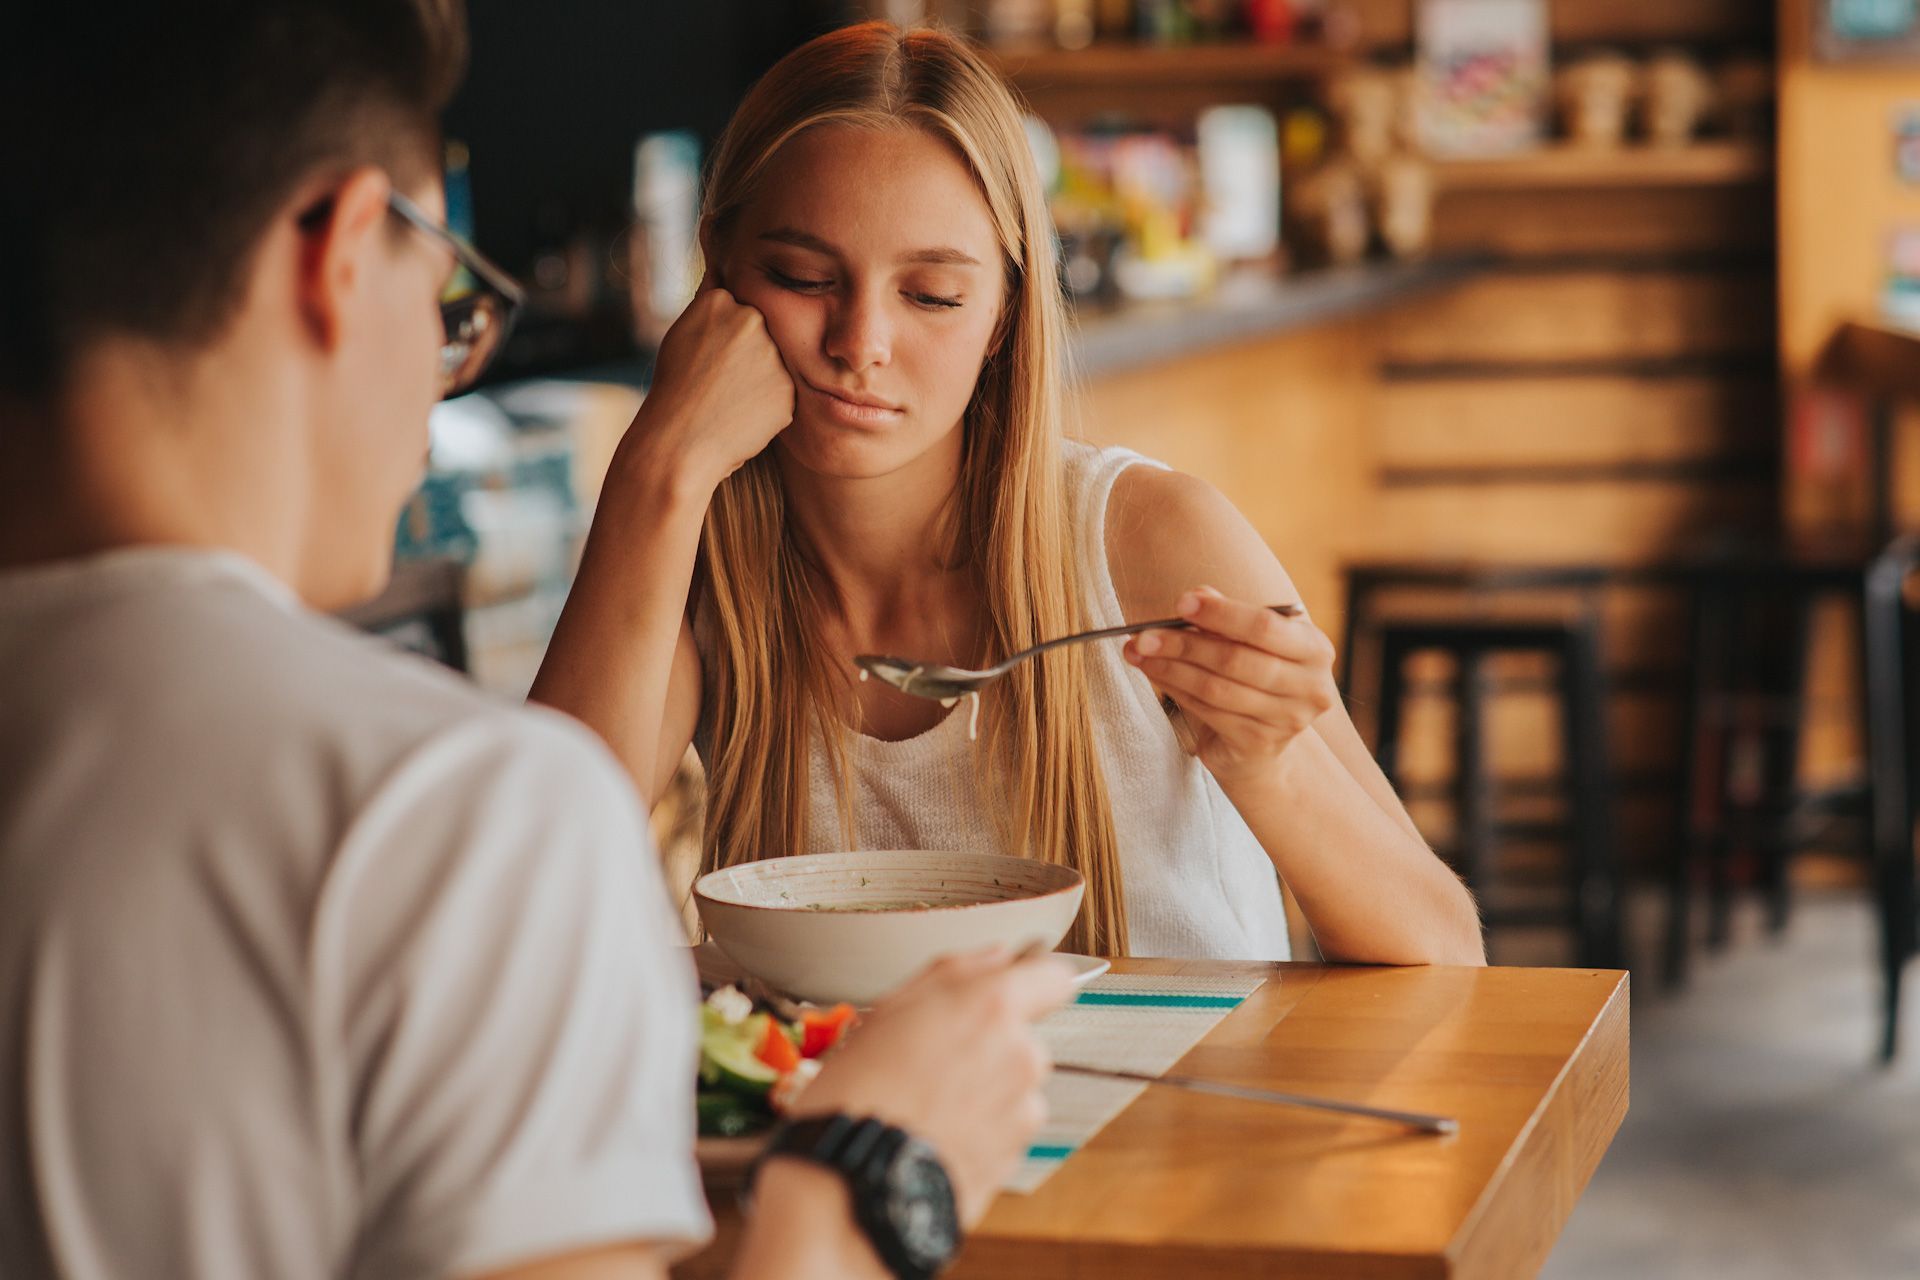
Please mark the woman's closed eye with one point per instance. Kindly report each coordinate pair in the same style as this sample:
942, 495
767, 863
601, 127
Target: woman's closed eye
797, 283
803, 284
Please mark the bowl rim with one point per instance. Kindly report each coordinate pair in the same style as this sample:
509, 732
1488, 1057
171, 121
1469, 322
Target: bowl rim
1075, 882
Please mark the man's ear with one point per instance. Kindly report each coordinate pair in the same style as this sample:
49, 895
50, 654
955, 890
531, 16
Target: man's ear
339, 253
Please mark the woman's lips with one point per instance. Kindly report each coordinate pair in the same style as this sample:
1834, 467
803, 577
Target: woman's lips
855, 412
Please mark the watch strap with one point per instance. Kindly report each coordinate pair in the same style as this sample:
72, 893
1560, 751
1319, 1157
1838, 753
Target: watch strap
860, 1151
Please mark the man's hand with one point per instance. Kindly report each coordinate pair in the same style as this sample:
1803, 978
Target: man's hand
952, 1058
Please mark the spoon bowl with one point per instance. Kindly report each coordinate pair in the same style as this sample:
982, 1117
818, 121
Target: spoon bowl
948, 685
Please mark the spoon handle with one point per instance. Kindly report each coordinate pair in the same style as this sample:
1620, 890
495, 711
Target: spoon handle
1246, 1093
1128, 629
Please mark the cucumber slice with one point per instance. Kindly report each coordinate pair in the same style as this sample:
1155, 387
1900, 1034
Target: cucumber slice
725, 1115
730, 1056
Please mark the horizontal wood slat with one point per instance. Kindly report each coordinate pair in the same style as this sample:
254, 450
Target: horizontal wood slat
1575, 421
1654, 220
1587, 315
1546, 524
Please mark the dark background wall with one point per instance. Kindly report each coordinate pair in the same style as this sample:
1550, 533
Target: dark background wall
559, 91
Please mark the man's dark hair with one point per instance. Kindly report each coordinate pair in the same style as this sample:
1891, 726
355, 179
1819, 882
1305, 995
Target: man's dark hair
145, 147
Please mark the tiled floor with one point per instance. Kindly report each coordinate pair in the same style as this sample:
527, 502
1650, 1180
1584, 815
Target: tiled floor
1761, 1141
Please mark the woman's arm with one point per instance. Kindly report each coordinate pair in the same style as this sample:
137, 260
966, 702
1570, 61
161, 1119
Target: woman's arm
622, 659
1260, 693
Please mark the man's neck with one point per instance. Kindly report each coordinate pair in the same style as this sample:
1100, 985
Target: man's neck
129, 458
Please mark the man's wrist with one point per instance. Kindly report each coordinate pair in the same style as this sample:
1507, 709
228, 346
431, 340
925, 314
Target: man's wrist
802, 1226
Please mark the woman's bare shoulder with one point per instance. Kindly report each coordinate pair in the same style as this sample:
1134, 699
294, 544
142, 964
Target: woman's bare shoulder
1168, 532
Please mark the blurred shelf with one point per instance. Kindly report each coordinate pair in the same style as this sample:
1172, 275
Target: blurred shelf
1390, 23
1145, 66
1254, 304
1705, 164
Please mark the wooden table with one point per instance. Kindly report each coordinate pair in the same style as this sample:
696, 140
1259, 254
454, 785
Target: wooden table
1533, 1062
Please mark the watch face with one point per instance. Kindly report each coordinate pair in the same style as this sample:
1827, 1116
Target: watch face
920, 1205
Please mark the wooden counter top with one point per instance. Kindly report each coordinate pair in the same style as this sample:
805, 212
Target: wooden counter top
1533, 1062
1252, 305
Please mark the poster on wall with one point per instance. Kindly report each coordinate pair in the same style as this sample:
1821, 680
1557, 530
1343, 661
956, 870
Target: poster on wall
1867, 30
1482, 75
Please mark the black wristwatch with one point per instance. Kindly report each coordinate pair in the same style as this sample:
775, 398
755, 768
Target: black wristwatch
902, 1197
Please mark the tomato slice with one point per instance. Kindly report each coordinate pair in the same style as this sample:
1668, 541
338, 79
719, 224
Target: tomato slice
821, 1029
776, 1050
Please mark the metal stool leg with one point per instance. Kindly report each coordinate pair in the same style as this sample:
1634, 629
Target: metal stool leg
1359, 600
1472, 800
1386, 748
1595, 875
1782, 766
1881, 632
1696, 785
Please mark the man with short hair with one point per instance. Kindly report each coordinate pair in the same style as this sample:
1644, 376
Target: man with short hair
313, 961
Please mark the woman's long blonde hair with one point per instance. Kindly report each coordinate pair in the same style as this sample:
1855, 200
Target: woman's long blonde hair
769, 680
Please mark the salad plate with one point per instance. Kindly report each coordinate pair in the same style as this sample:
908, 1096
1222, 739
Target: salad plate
756, 1056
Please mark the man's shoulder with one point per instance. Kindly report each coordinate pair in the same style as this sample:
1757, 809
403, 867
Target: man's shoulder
385, 708
290, 664
225, 660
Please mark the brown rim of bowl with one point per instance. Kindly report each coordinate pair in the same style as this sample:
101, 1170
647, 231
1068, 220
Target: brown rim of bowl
700, 895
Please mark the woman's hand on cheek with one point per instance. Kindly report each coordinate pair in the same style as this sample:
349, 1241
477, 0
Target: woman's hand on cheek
1249, 680
720, 390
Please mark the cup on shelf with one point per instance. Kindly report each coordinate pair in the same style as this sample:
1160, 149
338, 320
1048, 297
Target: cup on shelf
1677, 95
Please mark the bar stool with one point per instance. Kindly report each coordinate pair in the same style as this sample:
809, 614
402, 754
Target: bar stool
1592, 908
1737, 698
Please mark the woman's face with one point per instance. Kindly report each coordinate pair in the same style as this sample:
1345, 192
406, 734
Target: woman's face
873, 258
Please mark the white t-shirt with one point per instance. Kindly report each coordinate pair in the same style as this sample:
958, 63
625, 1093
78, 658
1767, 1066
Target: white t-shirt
313, 961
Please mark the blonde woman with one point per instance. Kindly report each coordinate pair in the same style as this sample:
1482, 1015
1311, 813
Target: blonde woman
854, 444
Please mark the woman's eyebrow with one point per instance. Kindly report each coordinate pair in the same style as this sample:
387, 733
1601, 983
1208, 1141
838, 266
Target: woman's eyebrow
800, 240
941, 257
807, 240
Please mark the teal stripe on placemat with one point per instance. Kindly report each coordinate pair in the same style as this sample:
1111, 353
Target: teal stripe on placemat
1143, 1000
1050, 1153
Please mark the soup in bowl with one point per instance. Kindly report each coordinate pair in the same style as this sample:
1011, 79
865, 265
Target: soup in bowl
853, 926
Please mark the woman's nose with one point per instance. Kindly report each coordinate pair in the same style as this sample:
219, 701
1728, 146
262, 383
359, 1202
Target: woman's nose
858, 334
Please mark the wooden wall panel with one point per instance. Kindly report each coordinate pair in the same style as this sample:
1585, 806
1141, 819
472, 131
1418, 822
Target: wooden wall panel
1561, 523
1650, 221
1279, 425
1575, 420
1587, 315
1840, 192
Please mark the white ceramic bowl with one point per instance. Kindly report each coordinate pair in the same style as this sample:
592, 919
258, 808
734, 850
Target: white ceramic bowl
777, 919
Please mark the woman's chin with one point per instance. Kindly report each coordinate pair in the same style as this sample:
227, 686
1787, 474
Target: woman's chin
844, 453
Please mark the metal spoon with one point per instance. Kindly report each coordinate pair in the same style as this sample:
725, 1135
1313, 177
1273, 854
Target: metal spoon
1411, 1119
945, 684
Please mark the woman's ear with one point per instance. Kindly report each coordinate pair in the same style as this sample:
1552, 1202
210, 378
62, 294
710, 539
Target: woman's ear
710, 263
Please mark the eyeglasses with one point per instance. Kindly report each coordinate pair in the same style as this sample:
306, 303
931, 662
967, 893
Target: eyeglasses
479, 307
479, 310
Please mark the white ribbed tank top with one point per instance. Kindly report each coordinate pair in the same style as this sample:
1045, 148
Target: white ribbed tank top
1197, 882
